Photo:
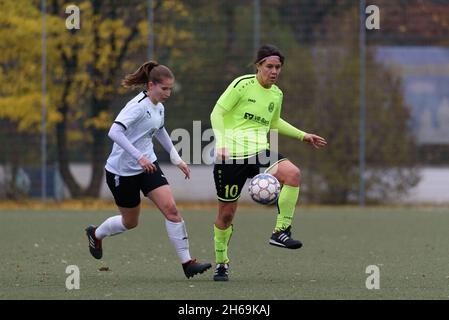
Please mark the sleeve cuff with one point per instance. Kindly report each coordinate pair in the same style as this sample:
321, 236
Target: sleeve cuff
174, 157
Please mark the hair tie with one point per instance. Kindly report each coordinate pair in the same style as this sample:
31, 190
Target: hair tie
273, 56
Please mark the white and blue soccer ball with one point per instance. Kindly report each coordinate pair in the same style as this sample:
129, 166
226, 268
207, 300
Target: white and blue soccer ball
264, 188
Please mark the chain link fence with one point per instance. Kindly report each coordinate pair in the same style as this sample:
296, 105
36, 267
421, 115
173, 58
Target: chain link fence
207, 44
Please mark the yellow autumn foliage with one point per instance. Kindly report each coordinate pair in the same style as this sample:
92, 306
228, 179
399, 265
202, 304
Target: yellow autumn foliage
21, 54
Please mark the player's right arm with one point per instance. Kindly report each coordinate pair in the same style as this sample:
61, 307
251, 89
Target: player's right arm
225, 103
117, 134
216, 119
127, 117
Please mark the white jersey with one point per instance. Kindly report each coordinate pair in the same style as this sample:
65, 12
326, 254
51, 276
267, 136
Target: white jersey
141, 120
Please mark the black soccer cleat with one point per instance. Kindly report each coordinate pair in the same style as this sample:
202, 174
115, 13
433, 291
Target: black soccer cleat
221, 272
283, 239
94, 244
193, 267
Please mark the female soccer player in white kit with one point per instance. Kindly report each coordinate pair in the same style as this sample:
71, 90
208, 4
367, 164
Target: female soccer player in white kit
132, 165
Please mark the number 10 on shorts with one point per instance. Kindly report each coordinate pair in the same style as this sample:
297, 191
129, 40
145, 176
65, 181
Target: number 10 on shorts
231, 191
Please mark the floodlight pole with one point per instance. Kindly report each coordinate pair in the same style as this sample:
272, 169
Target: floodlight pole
44, 102
150, 29
256, 25
362, 130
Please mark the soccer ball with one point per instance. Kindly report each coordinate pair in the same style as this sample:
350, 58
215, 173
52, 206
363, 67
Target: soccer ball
264, 188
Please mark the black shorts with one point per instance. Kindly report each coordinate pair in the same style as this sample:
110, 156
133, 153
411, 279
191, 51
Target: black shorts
230, 176
126, 189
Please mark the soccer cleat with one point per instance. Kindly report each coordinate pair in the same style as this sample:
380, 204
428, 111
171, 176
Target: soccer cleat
221, 272
283, 239
193, 267
94, 244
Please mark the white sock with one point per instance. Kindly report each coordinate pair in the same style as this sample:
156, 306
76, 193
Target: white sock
178, 237
110, 227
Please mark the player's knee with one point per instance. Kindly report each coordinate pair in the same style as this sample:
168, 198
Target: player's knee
297, 174
170, 211
293, 176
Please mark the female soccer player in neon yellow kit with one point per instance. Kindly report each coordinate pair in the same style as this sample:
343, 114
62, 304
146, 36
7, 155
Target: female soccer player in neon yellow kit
241, 120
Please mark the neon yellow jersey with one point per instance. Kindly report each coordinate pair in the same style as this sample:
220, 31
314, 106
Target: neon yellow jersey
249, 110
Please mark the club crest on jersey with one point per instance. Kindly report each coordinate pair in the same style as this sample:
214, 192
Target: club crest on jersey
271, 107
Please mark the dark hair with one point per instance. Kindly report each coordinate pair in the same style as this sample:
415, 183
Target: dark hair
268, 50
149, 71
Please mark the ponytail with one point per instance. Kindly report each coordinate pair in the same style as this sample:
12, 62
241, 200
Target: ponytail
150, 71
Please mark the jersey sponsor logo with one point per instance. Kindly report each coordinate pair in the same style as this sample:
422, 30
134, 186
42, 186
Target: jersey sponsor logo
252, 100
250, 116
271, 107
149, 114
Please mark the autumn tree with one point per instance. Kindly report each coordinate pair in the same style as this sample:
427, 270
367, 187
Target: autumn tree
84, 71
324, 97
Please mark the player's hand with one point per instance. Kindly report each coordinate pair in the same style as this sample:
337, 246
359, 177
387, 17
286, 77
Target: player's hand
222, 154
185, 169
315, 140
147, 165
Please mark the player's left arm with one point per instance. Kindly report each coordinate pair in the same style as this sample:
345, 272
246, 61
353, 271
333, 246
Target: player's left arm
314, 140
288, 130
185, 169
165, 140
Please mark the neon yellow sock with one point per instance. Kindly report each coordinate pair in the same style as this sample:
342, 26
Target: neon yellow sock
286, 206
221, 240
